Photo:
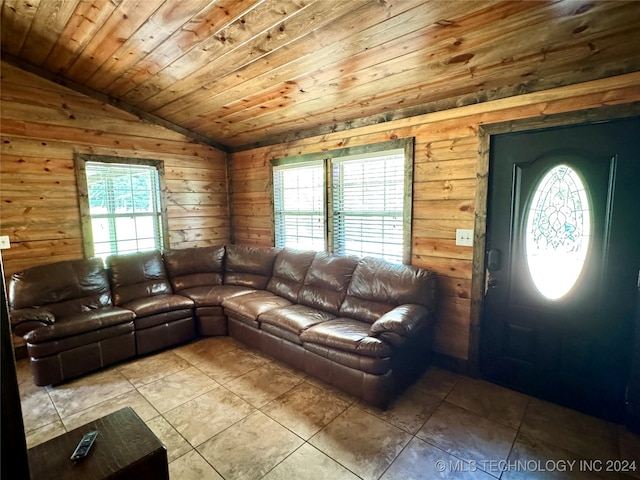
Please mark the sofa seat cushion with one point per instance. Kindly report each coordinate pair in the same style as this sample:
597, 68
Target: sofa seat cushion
213, 295
348, 335
81, 323
295, 318
155, 304
372, 365
252, 305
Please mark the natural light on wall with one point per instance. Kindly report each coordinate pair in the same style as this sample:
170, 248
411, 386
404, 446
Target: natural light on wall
558, 232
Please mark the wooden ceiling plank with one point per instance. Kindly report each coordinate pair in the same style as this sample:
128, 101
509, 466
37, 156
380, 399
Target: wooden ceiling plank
86, 20
397, 64
161, 51
47, 25
17, 17
367, 93
292, 65
232, 85
409, 48
254, 23
256, 51
125, 20
153, 34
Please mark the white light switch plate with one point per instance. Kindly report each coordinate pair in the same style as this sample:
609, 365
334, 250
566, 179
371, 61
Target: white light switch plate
4, 242
464, 237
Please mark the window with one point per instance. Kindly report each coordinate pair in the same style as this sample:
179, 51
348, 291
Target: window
299, 205
364, 207
122, 209
558, 232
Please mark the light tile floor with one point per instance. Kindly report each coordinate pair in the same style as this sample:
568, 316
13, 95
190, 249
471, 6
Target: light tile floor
226, 412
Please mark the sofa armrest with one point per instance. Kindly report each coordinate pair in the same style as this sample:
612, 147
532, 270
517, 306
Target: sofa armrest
26, 319
401, 321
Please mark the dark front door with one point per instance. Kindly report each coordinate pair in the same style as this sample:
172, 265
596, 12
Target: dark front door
563, 263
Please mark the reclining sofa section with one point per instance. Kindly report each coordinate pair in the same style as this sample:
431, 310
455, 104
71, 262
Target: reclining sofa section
360, 324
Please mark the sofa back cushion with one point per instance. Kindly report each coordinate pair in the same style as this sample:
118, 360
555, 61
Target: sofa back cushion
137, 275
195, 267
378, 286
326, 282
289, 272
249, 266
63, 288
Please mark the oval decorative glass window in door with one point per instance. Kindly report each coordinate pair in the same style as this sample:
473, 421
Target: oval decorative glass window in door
558, 232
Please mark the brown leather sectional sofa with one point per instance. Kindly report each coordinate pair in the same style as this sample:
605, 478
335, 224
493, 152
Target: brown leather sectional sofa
361, 324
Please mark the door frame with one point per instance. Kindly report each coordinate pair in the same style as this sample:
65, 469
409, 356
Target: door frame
485, 132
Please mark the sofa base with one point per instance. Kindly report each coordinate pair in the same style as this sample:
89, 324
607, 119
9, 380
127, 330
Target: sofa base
376, 390
78, 361
166, 335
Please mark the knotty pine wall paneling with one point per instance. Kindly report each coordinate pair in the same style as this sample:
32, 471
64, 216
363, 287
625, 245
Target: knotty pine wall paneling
449, 175
43, 124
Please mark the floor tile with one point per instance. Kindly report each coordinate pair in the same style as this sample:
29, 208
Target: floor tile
310, 464
629, 444
437, 382
174, 390
306, 409
250, 448
170, 437
490, 400
532, 458
37, 409
191, 466
228, 366
207, 415
77, 395
422, 460
131, 399
467, 435
587, 436
205, 349
263, 384
361, 442
154, 367
409, 412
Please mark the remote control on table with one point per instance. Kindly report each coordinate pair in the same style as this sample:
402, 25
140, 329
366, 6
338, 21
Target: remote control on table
83, 447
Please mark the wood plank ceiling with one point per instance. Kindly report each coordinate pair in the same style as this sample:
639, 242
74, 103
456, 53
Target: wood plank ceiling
242, 73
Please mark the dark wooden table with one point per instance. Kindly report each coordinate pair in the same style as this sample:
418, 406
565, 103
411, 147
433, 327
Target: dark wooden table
124, 448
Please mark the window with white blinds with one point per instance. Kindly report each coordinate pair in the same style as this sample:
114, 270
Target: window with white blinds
124, 206
299, 205
353, 201
368, 204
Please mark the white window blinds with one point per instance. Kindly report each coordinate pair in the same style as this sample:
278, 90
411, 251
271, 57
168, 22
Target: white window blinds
368, 199
124, 205
299, 205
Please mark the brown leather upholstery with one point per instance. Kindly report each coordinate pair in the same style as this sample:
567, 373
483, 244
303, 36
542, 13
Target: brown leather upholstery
65, 312
326, 282
249, 266
193, 267
139, 283
198, 273
377, 287
289, 271
363, 325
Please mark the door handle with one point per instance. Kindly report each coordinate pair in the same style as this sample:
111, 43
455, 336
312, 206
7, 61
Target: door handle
493, 260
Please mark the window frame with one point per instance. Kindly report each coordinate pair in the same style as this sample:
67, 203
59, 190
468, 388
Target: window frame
405, 144
80, 160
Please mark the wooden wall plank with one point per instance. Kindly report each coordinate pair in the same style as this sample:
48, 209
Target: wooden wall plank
446, 177
39, 207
